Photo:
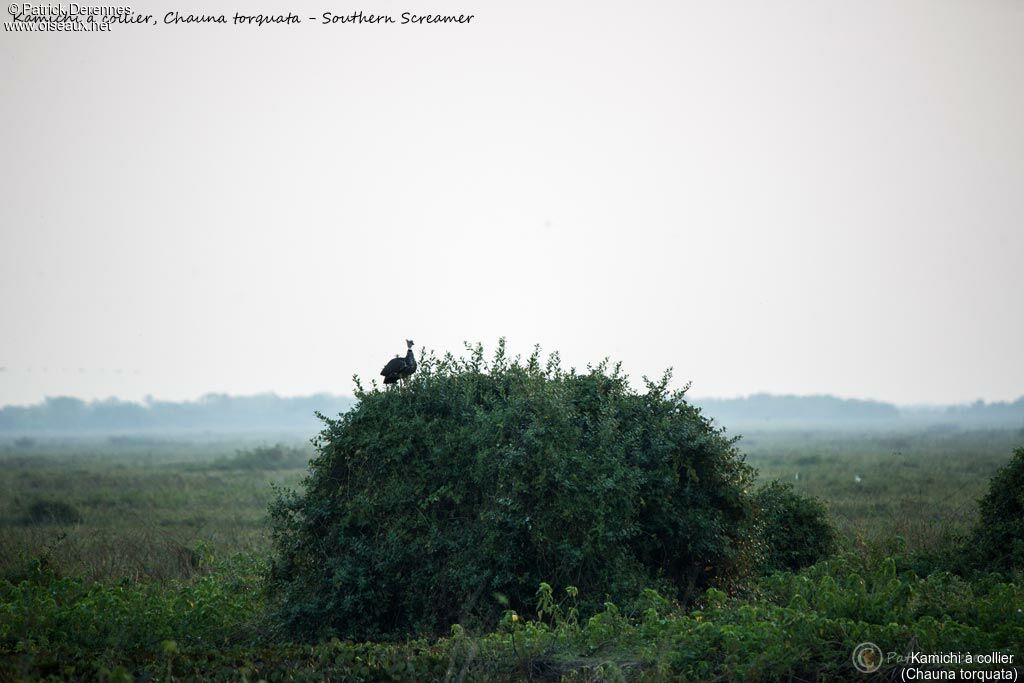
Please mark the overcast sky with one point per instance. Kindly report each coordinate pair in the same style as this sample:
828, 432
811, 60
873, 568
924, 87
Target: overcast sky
794, 197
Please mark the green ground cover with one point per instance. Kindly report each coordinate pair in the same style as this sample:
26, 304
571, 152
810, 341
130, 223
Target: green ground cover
158, 573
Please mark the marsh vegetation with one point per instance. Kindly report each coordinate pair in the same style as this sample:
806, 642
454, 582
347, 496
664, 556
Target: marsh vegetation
128, 559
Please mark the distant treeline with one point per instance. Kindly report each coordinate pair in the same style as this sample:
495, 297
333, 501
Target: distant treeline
808, 408
267, 412
211, 413
1010, 410
830, 410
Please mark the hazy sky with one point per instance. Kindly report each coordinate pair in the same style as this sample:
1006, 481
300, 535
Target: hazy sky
797, 197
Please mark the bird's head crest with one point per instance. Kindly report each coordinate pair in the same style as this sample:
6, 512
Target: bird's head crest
409, 342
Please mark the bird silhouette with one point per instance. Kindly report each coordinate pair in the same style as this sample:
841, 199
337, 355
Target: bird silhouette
399, 368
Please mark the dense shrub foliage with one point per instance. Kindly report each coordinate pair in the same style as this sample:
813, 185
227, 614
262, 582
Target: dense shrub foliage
800, 626
795, 529
999, 537
73, 629
482, 479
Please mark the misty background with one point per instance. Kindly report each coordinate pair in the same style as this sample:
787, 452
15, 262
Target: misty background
794, 198
273, 416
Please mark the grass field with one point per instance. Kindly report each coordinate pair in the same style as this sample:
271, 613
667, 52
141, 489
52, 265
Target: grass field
145, 512
164, 517
144, 508
921, 486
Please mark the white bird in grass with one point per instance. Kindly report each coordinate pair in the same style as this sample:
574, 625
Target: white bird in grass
857, 478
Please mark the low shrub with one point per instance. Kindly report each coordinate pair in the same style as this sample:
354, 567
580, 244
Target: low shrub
53, 512
66, 615
998, 539
794, 529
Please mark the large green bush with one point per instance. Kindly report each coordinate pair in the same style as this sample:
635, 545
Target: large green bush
430, 504
999, 537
